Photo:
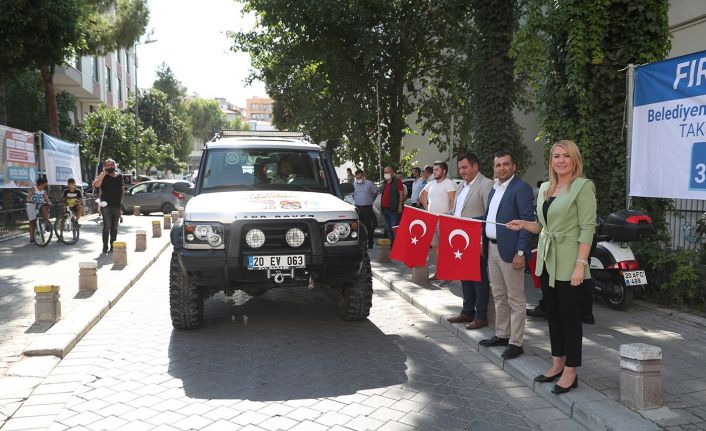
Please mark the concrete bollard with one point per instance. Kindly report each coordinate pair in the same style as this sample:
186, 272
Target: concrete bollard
175, 216
140, 240
640, 376
384, 254
47, 308
136, 210
156, 229
167, 222
119, 253
420, 274
181, 212
87, 276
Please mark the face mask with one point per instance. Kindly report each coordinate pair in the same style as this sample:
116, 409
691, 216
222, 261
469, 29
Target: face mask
359, 181
110, 170
388, 176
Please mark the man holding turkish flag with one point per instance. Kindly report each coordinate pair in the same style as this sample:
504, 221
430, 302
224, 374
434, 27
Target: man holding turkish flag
459, 249
413, 237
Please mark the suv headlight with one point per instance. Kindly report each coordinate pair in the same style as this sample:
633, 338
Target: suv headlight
341, 231
204, 235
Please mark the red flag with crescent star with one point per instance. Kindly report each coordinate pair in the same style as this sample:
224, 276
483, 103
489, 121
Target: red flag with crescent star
459, 249
413, 237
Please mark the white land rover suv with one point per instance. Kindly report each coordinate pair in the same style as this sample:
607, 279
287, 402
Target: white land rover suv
267, 211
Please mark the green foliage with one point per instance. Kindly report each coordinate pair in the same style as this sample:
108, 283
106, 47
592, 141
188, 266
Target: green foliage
570, 56
321, 62
205, 118
475, 91
172, 133
236, 123
167, 83
113, 24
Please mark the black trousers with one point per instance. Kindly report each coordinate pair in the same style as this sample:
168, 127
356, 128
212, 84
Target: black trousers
367, 217
563, 306
111, 218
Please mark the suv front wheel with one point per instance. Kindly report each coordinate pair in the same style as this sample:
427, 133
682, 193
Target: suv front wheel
354, 298
185, 299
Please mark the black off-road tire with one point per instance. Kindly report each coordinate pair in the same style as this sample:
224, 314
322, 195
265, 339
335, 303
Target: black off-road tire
185, 299
354, 298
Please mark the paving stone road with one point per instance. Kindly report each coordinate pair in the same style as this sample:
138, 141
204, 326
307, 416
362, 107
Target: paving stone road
283, 361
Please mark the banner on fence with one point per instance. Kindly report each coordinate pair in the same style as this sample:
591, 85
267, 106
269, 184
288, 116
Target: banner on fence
18, 161
61, 160
669, 129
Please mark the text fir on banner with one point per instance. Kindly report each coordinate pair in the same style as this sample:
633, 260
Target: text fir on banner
413, 238
459, 249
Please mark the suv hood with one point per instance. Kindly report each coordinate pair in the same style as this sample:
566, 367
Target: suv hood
226, 207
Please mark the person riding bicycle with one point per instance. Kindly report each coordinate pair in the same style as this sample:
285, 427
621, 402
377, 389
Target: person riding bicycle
73, 199
37, 195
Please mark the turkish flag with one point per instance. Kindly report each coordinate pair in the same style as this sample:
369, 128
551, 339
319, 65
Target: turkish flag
459, 249
413, 237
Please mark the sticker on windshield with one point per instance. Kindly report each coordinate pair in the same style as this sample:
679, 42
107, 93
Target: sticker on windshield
232, 158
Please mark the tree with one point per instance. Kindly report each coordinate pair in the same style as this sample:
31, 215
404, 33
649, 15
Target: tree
570, 55
171, 132
167, 83
325, 63
205, 118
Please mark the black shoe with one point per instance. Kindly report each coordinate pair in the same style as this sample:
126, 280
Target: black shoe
494, 341
110, 250
546, 379
537, 312
105, 249
589, 319
512, 352
561, 390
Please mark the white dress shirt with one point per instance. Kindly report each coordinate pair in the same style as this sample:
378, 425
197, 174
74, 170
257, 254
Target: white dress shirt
461, 197
490, 228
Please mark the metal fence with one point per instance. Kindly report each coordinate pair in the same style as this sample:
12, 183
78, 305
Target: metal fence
682, 222
13, 221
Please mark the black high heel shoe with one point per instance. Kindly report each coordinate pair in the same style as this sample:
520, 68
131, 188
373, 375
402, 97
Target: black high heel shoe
546, 379
562, 390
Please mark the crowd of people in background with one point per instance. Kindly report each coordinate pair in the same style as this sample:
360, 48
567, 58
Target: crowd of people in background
562, 213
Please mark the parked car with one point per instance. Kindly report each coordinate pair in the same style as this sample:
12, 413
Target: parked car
153, 196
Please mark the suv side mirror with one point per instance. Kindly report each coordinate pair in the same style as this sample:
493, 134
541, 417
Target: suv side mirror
181, 187
346, 188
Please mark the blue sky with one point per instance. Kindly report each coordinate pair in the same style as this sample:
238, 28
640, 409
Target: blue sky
190, 38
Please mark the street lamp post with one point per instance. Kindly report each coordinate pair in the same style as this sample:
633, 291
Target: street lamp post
137, 108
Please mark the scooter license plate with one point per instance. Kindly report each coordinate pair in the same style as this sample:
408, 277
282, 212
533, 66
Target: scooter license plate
635, 278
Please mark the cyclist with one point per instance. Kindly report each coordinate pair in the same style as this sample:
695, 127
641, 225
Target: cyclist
73, 198
37, 196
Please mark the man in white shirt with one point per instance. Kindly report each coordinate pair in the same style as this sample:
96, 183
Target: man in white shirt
438, 196
471, 202
510, 199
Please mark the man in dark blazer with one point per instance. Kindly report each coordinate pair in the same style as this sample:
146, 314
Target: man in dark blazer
510, 199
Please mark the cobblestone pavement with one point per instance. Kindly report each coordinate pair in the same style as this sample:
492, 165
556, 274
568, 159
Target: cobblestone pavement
23, 265
283, 361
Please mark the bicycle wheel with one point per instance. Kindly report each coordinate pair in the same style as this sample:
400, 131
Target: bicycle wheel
43, 232
67, 230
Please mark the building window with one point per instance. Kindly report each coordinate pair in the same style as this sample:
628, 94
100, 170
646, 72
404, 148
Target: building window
119, 55
127, 61
96, 73
78, 63
120, 89
108, 80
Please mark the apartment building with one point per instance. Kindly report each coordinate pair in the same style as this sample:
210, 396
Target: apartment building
95, 81
259, 108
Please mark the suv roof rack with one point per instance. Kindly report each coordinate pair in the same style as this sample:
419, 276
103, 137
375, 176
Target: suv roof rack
268, 133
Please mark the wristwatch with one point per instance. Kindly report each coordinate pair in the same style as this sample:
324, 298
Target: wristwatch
520, 253
583, 262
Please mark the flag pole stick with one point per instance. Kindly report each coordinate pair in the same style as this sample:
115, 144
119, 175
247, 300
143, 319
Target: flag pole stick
464, 218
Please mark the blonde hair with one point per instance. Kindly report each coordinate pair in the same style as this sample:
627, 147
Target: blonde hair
575, 156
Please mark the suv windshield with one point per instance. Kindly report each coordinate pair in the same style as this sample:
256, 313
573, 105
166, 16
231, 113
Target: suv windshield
263, 169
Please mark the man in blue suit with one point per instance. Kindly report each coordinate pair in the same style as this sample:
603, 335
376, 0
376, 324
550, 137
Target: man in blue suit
510, 199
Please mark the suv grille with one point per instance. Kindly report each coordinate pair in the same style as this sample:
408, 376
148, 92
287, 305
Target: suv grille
275, 237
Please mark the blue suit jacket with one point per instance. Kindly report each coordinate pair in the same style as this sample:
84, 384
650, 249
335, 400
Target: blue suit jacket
517, 204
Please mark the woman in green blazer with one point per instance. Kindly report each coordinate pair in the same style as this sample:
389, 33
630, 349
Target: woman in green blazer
566, 212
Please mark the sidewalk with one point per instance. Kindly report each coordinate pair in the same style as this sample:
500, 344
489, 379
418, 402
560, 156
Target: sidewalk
24, 265
595, 404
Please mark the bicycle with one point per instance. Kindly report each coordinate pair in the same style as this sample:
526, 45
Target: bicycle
43, 229
66, 227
